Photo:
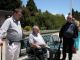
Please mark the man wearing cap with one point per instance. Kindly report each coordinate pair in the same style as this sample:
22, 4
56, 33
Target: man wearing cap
12, 27
68, 36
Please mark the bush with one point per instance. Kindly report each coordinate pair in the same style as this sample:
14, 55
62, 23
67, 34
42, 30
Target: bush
27, 28
43, 28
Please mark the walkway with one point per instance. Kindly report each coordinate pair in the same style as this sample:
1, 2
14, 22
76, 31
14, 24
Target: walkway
75, 56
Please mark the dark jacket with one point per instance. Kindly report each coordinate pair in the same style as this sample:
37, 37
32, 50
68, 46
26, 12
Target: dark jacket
61, 33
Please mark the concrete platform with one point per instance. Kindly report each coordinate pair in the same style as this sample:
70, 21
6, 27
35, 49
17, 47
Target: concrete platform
75, 56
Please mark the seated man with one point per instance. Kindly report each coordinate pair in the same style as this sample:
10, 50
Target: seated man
36, 41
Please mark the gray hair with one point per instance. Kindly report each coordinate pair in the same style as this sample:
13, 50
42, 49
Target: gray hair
35, 27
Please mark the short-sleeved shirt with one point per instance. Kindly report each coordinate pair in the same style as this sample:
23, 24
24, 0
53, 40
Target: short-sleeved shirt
13, 29
38, 40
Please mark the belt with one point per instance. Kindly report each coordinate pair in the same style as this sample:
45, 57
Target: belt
10, 42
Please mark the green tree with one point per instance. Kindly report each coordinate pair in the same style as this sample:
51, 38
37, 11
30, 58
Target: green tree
45, 20
10, 4
30, 12
76, 14
59, 20
31, 7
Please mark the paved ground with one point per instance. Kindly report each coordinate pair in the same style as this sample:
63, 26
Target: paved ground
75, 56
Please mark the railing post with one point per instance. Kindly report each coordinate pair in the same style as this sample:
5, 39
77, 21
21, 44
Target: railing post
3, 52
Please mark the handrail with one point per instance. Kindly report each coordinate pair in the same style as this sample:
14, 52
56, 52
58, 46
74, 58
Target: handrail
42, 32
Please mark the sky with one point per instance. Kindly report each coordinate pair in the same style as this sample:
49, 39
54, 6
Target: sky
56, 6
76, 5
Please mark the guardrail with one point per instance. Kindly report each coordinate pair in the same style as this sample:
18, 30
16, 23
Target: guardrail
42, 32
3, 50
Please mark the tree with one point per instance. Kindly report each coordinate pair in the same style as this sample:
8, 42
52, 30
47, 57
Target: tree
76, 14
45, 20
10, 4
31, 7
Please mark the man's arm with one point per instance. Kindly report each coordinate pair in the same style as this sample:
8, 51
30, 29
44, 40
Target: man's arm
45, 45
4, 29
31, 41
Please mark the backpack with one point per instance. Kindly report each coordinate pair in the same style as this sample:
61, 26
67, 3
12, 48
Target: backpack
69, 31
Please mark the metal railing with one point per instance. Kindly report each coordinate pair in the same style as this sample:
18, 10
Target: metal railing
42, 32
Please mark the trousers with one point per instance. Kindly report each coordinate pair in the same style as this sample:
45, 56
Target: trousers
12, 51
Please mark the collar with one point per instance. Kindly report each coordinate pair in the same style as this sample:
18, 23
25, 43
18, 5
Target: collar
14, 19
35, 34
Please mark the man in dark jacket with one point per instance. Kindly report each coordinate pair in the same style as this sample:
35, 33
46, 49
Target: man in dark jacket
68, 41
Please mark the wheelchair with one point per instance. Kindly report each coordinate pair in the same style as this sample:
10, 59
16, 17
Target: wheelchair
39, 54
35, 53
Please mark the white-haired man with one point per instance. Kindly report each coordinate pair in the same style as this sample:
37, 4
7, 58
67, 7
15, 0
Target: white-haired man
37, 41
67, 33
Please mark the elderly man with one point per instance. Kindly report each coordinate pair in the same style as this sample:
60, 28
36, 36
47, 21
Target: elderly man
14, 34
67, 33
37, 41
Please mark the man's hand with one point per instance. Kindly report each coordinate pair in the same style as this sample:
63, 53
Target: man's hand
47, 46
1, 42
35, 46
38, 46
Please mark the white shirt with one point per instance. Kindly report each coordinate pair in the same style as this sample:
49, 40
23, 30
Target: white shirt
13, 29
37, 40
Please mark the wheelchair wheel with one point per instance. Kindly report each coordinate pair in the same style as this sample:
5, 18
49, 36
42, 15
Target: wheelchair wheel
33, 57
42, 57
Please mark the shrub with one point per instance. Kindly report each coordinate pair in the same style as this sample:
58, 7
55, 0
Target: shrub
27, 28
43, 28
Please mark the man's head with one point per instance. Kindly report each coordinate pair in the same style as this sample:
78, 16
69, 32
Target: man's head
69, 18
17, 13
35, 29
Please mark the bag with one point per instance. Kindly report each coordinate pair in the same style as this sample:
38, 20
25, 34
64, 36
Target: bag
69, 31
73, 49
